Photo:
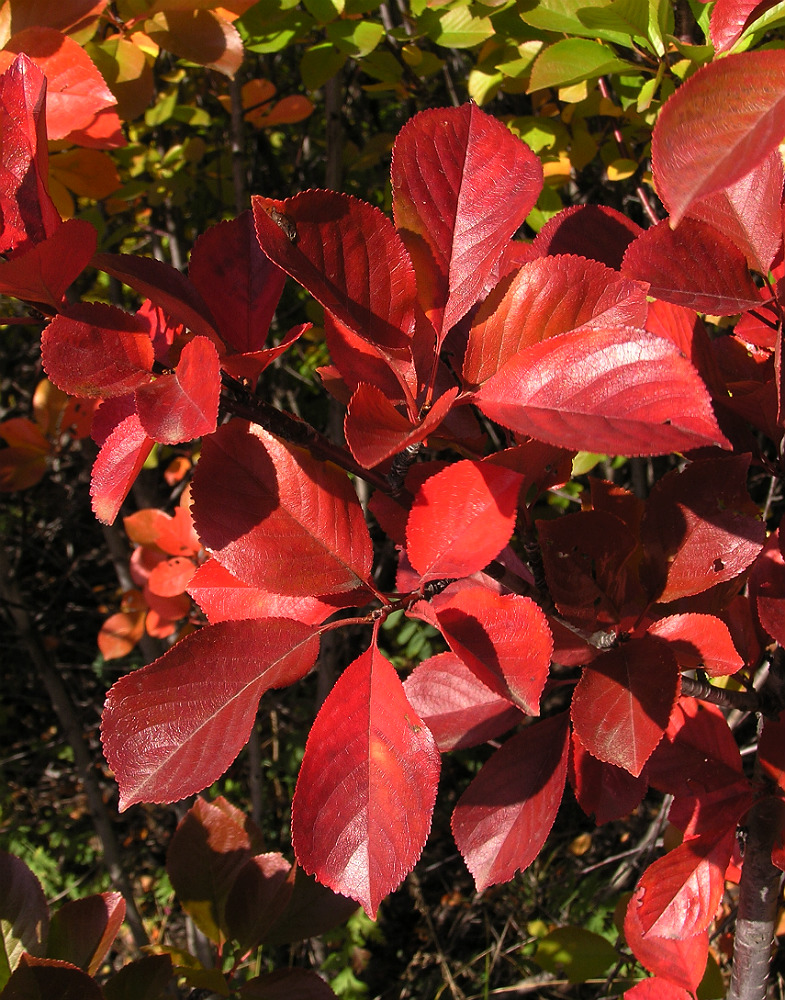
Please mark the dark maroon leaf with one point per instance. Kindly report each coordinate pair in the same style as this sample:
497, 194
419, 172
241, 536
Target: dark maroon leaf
313, 909
603, 790
619, 391
455, 705
287, 984
547, 297
239, 283
173, 727
367, 784
144, 979
623, 701
457, 172
259, 895
82, 930
277, 518
23, 910
694, 265
593, 231
720, 124
503, 818
39, 978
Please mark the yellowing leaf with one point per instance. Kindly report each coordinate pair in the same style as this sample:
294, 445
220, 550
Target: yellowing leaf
88, 173
621, 169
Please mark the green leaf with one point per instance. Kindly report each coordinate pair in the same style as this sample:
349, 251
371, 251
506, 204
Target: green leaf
271, 25
562, 16
319, 63
162, 110
774, 17
579, 953
355, 38
456, 28
382, 66
572, 60
540, 133
325, 11
548, 205
197, 117
483, 84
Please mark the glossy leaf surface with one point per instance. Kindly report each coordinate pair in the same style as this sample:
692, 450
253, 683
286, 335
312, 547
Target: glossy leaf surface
699, 641
621, 391
174, 726
119, 462
367, 784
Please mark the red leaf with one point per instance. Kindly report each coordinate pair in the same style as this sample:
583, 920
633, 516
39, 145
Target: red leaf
730, 17
457, 172
700, 528
277, 518
45, 977
25, 912
656, 988
75, 91
208, 850
312, 911
767, 588
357, 360
170, 577
258, 897
97, 350
367, 784
183, 405
27, 211
119, 462
621, 391
82, 930
375, 430
593, 231
695, 266
455, 705
503, 639
720, 124
239, 283
503, 818
699, 641
174, 726
284, 984
622, 703
680, 962
607, 791
689, 334
44, 272
461, 519
165, 286
347, 254
223, 597
679, 894
547, 297
748, 212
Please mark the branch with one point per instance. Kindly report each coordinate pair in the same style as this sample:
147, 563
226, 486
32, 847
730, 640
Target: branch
746, 701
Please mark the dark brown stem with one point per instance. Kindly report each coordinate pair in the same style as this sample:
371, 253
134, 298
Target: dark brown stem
239, 178
332, 107
746, 701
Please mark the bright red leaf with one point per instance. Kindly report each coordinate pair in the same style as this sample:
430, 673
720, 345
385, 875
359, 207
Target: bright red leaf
174, 726
678, 894
183, 405
277, 518
680, 962
28, 213
376, 430
767, 588
455, 705
656, 989
76, 91
720, 124
457, 173
695, 266
619, 391
728, 19
547, 297
119, 462
503, 818
97, 350
367, 784
42, 273
461, 519
503, 638
699, 641
622, 703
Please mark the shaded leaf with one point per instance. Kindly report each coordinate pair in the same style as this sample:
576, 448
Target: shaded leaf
718, 126
503, 818
617, 391
699, 641
45, 977
277, 518
367, 784
575, 952
144, 979
455, 705
24, 914
603, 790
258, 896
461, 519
503, 639
43, 273
199, 36
457, 173
286, 984
623, 701
546, 297
767, 587
695, 266
593, 231
312, 910
82, 930
174, 726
